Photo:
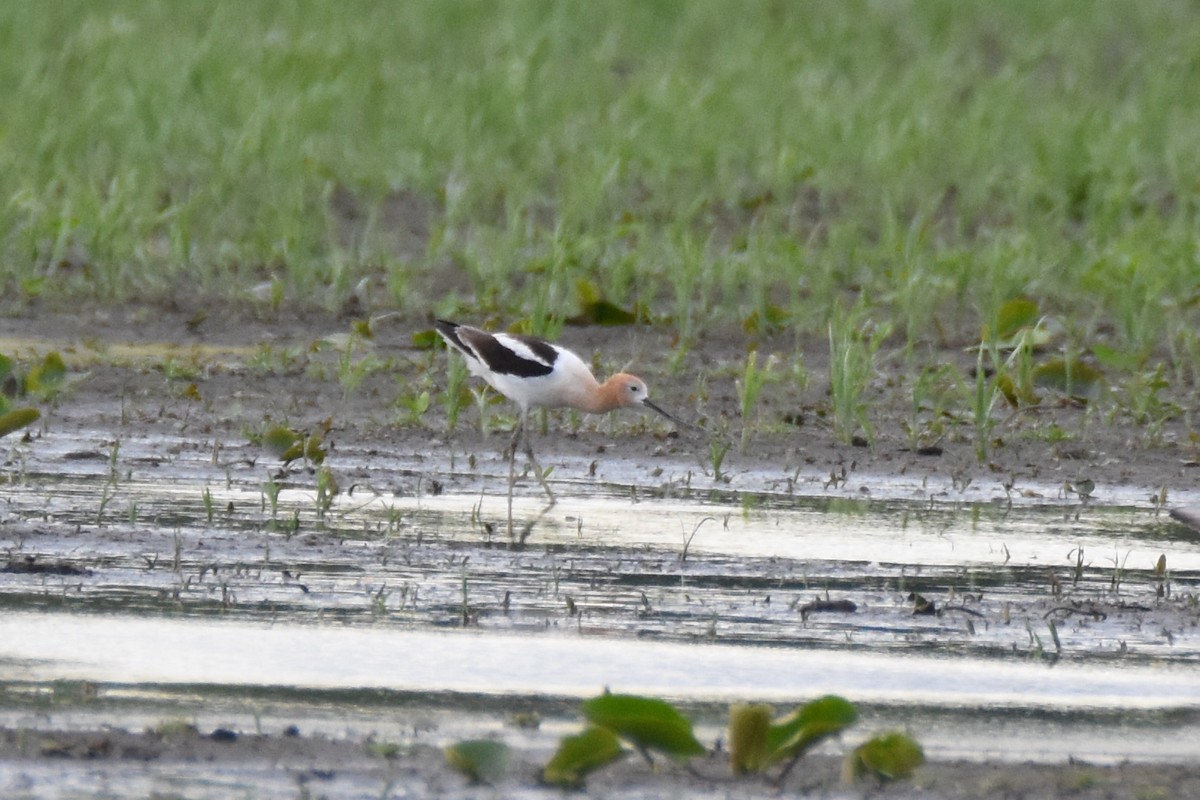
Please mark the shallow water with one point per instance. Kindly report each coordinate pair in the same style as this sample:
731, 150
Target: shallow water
45, 647
191, 569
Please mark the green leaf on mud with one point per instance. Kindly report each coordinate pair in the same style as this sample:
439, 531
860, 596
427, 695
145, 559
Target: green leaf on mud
1118, 360
748, 727
1008, 388
595, 310
808, 725
46, 378
889, 756
362, 327
481, 760
772, 319
6, 371
288, 445
603, 312
1073, 378
382, 749
581, 754
311, 447
279, 440
18, 418
426, 339
647, 723
1018, 313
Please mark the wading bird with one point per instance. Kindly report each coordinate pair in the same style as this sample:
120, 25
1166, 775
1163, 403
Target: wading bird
534, 373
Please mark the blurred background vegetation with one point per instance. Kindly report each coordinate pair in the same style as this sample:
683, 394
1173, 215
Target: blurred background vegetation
768, 165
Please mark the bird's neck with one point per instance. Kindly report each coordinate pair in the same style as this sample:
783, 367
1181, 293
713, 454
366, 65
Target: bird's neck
604, 398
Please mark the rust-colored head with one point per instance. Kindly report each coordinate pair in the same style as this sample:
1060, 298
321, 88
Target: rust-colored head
629, 391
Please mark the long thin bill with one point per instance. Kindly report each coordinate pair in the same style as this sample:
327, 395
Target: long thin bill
648, 404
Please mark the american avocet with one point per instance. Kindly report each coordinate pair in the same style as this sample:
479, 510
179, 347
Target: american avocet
534, 373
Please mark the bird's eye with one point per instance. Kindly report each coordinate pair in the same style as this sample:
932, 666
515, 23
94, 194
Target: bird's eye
633, 387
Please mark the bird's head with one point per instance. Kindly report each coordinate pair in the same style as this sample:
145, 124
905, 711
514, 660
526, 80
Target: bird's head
630, 391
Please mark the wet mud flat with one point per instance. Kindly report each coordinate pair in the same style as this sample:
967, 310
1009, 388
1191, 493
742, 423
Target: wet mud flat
1031, 645
201, 765
185, 616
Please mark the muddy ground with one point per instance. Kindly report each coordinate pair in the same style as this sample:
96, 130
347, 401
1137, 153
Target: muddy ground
319, 767
225, 372
245, 368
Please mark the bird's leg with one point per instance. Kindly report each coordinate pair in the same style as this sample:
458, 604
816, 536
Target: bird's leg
518, 430
537, 470
512, 471
522, 430
527, 528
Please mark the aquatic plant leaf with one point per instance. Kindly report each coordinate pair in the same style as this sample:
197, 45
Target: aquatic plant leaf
1018, 313
771, 320
288, 445
481, 760
46, 378
6, 371
889, 756
174, 729
53, 368
648, 723
588, 292
382, 749
808, 725
362, 327
314, 449
1074, 378
748, 726
1118, 360
595, 310
1009, 389
279, 440
581, 754
18, 418
425, 340
602, 312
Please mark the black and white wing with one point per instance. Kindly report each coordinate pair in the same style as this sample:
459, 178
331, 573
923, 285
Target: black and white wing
500, 353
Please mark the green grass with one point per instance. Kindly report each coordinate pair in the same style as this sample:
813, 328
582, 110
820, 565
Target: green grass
853, 346
929, 160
